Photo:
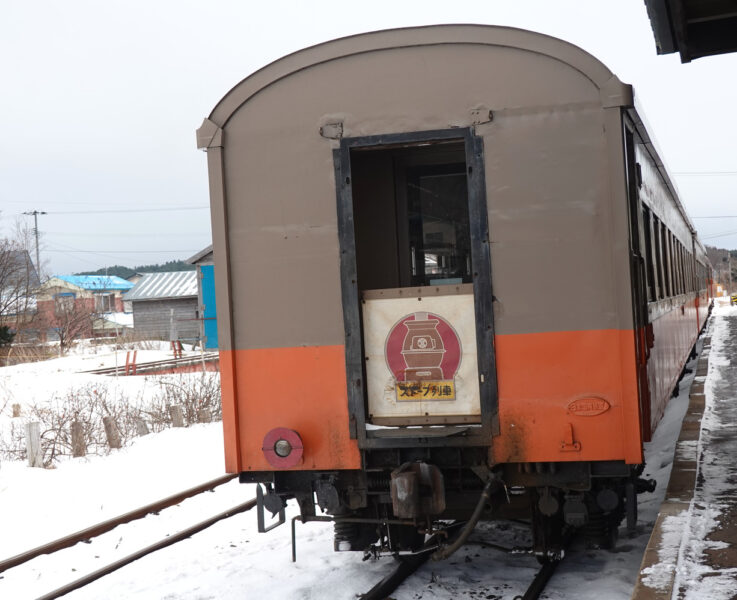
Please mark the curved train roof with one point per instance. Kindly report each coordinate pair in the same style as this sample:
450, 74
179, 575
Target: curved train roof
613, 91
430, 35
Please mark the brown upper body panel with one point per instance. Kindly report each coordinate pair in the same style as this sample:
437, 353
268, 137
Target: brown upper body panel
555, 182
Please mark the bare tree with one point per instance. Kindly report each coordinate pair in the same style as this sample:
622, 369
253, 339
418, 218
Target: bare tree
72, 319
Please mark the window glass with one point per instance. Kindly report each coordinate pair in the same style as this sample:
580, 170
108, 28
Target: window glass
671, 264
104, 303
658, 257
666, 261
64, 303
649, 262
440, 244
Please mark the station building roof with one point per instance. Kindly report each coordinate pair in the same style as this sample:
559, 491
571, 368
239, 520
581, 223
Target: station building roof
203, 257
693, 28
160, 286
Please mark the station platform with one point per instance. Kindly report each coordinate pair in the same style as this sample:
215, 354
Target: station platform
692, 552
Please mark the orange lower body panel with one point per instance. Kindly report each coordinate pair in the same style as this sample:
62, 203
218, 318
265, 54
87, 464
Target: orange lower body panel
303, 389
567, 396
563, 396
674, 335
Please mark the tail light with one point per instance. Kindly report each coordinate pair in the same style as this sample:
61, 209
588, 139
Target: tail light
283, 448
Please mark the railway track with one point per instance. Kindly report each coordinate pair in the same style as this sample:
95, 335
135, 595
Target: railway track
157, 365
89, 533
407, 565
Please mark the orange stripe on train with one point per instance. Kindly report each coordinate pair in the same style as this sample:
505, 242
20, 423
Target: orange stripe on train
550, 385
303, 389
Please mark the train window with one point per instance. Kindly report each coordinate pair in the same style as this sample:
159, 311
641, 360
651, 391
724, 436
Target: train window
666, 265
683, 268
649, 263
667, 278
439, 240
411, 217
672, 265
658, 257
692, 277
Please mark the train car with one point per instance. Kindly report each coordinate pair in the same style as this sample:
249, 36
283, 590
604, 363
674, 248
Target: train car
454, 282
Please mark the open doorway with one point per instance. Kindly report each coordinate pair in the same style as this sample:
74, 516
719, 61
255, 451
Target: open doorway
411, 216
416, 283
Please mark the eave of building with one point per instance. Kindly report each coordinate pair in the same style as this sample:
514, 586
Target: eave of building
694, 28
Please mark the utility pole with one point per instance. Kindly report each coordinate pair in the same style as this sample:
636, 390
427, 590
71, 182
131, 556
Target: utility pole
35, 214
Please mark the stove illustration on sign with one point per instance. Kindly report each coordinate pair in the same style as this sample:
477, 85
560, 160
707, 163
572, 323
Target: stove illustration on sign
422, 349
423, 352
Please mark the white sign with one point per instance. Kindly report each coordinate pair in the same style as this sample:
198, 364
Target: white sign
421, 362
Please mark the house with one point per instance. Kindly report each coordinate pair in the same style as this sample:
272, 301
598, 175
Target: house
18, 280
134, 279
165, 306
203, 260
80, 305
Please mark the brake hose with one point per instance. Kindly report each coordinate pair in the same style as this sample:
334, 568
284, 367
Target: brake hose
443, 553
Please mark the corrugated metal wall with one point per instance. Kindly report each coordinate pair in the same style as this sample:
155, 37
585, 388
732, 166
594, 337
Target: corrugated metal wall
152, 319
208, 301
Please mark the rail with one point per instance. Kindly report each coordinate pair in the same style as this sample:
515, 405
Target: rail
157, 364
408, 564
168, 541
96, 530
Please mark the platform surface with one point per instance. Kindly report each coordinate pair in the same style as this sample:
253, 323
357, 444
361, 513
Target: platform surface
692, 553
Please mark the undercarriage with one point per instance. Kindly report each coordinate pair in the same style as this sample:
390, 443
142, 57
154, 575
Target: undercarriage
391, 510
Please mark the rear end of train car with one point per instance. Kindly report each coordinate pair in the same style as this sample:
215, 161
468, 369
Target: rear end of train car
432, 280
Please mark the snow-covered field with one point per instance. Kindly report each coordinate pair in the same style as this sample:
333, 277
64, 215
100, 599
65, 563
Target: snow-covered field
232, 560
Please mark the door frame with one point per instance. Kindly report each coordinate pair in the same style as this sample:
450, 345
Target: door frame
477, 435
639, 274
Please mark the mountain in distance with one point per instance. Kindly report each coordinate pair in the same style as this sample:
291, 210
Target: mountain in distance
125, 272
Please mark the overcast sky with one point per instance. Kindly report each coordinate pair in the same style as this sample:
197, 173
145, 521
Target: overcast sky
100, 100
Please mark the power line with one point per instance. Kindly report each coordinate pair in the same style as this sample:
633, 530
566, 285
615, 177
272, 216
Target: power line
704, 172
112, 255
84, 260
126, 210
158, 234
716, 235
122, 251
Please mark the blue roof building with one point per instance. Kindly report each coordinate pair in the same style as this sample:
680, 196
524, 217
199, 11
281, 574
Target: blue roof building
98, 283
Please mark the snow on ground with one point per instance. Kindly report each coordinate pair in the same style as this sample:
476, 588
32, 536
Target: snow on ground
37, 382
232, 560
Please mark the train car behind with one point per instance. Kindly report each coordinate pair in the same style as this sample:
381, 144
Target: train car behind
449, 261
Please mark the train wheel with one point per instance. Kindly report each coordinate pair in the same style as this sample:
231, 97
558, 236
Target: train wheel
602, 530
547, 526
353, 536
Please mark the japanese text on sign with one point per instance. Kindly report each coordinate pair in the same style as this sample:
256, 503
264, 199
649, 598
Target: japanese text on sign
420, 391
